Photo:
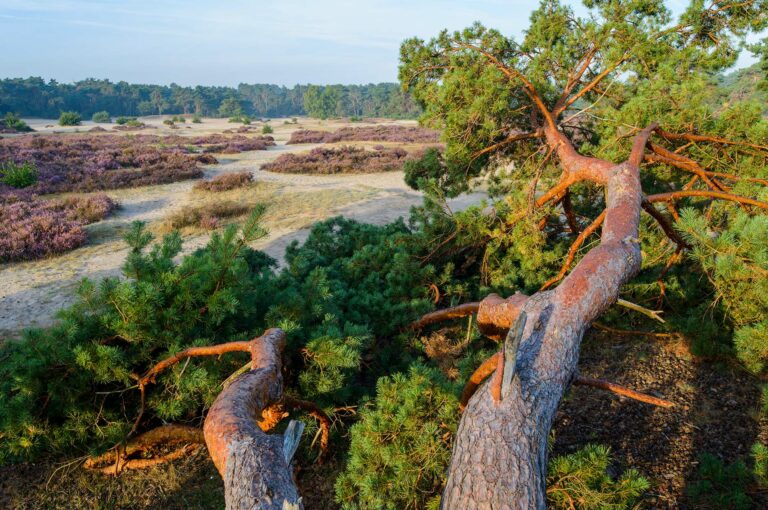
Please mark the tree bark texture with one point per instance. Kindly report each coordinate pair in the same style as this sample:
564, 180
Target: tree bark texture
256, 473
499, 458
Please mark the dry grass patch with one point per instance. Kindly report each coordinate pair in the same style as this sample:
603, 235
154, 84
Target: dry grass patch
286, 209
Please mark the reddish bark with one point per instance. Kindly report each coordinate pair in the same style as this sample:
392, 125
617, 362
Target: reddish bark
500, 454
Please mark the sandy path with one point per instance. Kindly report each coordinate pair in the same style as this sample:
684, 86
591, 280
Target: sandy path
32, 292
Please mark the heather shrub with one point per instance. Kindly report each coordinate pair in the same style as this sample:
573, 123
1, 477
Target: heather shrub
12, 123
70, 119
101, 117
400, 134
224, 182
88, 163
36, 228
204, 217
18, 175
267, 130
346, 159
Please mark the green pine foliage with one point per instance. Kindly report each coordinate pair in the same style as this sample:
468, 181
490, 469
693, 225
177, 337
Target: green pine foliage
581, 479
719, 486
71, 388
401, 444
760, 459
735, 260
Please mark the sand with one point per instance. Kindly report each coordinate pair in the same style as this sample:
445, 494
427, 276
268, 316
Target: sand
32, 292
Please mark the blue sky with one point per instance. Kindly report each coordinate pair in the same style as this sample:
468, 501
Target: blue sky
225, 42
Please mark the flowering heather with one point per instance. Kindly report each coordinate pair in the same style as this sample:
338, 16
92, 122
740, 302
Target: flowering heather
32, 228
225, 182
98, 162
234, 144
401, 134
340, 160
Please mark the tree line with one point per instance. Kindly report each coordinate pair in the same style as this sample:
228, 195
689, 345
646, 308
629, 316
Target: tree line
35, 97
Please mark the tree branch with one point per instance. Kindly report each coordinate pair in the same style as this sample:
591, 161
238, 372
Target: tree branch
673, 195
573, 250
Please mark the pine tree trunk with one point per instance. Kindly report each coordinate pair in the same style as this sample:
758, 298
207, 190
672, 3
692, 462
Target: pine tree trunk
499, 458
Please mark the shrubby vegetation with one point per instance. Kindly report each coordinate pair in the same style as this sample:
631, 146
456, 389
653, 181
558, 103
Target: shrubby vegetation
101, 117
401, 134
206, 217
70, 119
225, 182
11, 123
345, 159
18, 175
88, 163
36, 228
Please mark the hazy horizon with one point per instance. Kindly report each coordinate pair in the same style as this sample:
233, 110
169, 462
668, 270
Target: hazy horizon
196, 43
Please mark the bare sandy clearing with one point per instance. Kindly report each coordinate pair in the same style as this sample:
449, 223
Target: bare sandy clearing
31, 292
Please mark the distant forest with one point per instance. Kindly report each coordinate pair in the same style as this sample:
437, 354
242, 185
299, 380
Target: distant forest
34, 97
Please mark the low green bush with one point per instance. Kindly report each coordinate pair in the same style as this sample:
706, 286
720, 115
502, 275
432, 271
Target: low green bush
196, 119
267, 130
70, 119
18, 175
101, 117
12, 121
122, 120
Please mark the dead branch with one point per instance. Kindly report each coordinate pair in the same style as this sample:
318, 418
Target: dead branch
664, 223
120, 459
445, 314
691, 137
628, 332
653, 314
491, 366
323, 421
621, 390
485, 369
